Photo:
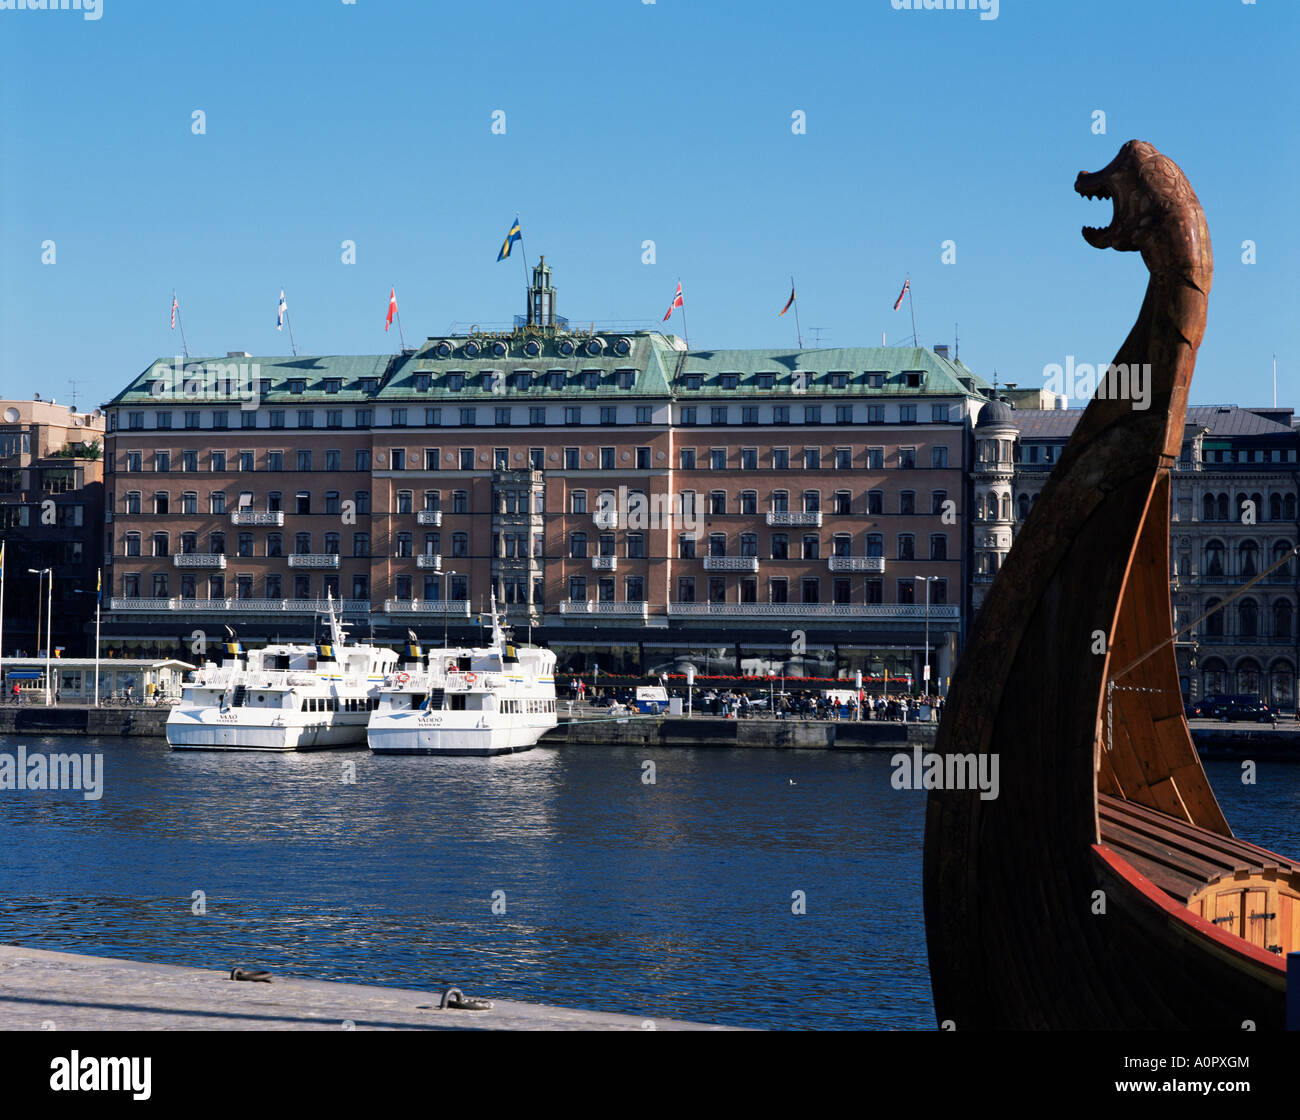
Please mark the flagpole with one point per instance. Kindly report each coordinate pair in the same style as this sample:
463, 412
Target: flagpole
523, 252
685, 329
180, 323
99, 598
795, 300
289, 323
916, 340
397, 314
2, 606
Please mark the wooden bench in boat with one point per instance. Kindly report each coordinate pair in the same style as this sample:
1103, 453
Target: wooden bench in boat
1242, 888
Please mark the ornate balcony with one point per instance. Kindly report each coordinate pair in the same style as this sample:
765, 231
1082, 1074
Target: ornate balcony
430, 517
458, 607
429, 560
605, 563
938, 613
257, 517
791, 518
314, 560
731, 563
858, 564
586, 606
215, 560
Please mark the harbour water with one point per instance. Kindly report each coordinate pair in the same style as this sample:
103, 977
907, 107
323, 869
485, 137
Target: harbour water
671, 899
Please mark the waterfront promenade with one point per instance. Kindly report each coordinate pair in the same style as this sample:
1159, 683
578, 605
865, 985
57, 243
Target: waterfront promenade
41, 990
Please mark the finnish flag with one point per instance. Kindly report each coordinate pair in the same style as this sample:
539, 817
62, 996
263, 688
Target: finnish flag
279, 314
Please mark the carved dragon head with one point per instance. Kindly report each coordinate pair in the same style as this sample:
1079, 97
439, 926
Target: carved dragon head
1156, 212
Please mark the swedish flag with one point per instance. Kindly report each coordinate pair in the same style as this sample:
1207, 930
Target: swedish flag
511, 237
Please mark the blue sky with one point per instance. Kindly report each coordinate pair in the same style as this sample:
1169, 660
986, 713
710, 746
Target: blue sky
625, 122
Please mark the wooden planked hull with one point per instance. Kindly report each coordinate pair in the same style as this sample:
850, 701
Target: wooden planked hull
1032, 921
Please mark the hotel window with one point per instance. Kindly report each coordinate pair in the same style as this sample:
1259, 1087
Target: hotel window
844, 414
608, 415
306, 418
501, 458
333, 460
626, 378
302, 502
131, 585
843, 502
572, 414
749, 501
189, 502
780, 546
248, 419
501, 417
218, 462
748, 544
841, 591
687, 501
694, 381
780, 414
686, 546
536, 458
460, 501
812, 414
433, 500
276, 418
939, 458
405, 501
749, 458
161, 501
717, 458
591, 379
334, 418
362, 418
555, 379
812, 458
578, 546
634, 588
645, 414
875, 414
938, 414
689, 413
304, 459
399, 418
135, 421
245, 460
842, 545
906, 458
606, 458
297, 385
718, 414
780, 501
468, 417
405, 545
422, 382
191, 420
577, 589
907, 414
686, 589
219, 421
134, 461
361, 544
274, 544
570, 458
274, 586
938, 546
160, 585
635, 546
302, 590
605, 545
812, 501
937, 499
432, 458
537, 417
332, 385
875, 380
875, 545
467, 458
218, 500
217, 544
718, 501
162, 420
717, 544
686, 458
578, 501
749, 414
189, 543
244, 544
875, 458
133, 544
906, 591
843, 458
906, 546
432, 417
912, 380
778, 591
811, 547
361, 588
780, 458
811, 590
274, 501
162, 461
432, 544
643, 458
456, 381
907, 502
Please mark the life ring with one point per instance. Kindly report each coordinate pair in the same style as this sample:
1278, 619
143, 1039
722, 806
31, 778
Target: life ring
470, 678
402, 678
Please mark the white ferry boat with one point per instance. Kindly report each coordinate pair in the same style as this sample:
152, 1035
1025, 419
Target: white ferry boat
467, 701
282, 697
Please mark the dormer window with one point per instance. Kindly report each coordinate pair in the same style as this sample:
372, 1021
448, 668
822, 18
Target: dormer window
912, 379
694, 380
369, 384
421, 382
555, 379
875, 380
333, 385
455, 381
488, 381
839, 380
626, 378
297, 385
767, 380
591, 379
730, 380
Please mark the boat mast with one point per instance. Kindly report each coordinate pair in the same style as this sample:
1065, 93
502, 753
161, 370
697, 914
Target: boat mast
337, 634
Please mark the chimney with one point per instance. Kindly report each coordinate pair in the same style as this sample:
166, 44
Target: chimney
942, 350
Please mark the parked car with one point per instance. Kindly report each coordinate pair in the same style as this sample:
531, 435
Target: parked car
1232, 708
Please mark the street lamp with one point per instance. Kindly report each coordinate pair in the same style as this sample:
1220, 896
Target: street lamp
927, 580
41, 573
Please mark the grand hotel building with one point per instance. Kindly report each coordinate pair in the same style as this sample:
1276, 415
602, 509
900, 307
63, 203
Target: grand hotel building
635, 505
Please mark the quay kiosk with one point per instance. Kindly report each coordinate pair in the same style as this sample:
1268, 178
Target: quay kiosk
74, 678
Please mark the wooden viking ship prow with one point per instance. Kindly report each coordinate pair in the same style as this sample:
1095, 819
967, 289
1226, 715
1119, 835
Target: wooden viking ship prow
1102, 888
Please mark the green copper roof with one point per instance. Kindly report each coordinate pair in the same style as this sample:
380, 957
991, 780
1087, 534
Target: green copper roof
272, 377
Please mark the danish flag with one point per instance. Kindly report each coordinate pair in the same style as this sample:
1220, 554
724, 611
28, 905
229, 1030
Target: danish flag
392, 308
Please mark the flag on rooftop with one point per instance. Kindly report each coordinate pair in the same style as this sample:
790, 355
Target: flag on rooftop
511, 237
678, 301
279, 314
392, 308
907, 287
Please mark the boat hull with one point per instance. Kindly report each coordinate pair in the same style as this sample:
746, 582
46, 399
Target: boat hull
204, 729
432, 734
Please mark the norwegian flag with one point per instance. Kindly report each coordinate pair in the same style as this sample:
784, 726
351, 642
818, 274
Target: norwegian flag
677, 302
175, 305
907, 287
392, 308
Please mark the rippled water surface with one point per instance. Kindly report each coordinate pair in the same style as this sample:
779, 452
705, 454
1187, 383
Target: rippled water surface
672, 899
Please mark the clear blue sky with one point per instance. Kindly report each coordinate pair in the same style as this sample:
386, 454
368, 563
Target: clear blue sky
628, 121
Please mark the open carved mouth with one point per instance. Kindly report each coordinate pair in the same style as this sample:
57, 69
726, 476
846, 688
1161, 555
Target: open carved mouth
1091, 186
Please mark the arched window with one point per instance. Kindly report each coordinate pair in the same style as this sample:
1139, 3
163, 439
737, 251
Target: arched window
1213, 559
1248, 618
1249, 555
1248, 676
1214, 622
1288, 508
1280, 550
1006, 507
1207, 508
979, 506
1282, 619
1275, 507
1223, 507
